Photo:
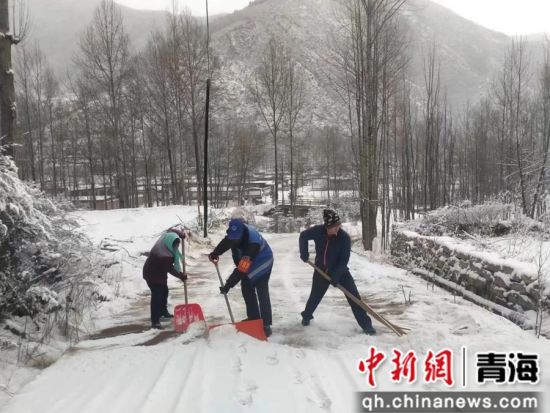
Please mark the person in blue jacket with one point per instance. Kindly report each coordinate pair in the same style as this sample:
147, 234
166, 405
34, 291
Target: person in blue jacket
332, 248
253, 259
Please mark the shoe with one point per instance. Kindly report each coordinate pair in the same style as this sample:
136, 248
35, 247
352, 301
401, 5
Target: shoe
167, 315
157, 326
370, 331
267, 331
305, 321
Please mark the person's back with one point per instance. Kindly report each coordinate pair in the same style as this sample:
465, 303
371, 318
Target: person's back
254, 246
160, 261
163, 258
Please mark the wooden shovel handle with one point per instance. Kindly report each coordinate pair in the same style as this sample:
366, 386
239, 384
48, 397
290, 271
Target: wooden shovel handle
361, 303
184, 269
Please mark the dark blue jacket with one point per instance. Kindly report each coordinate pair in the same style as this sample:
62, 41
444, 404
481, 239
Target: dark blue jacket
332, 253
251, 245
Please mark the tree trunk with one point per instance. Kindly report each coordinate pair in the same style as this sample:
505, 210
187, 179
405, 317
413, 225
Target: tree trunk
7, 87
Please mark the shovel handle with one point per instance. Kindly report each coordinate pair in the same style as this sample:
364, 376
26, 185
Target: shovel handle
361, 303
183, 266
225, 295
183, 254
185, 291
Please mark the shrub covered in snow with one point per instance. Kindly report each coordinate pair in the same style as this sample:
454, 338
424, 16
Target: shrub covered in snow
46, 268
489, 219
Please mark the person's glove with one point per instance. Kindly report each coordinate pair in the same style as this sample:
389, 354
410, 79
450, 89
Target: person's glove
224, 290
183, 276
304, 257
244, 265
213, 257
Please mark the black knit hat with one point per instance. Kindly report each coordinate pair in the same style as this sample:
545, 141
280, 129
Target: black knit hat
330, 217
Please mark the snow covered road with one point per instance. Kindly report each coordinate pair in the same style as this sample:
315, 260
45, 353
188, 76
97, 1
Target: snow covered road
311, 369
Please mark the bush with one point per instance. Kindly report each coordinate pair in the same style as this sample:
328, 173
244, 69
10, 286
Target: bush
45, 264
490, 219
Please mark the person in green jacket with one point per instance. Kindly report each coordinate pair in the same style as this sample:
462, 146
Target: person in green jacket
164, 258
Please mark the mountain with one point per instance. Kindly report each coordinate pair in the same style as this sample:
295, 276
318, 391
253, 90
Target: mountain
470, 54
58, 24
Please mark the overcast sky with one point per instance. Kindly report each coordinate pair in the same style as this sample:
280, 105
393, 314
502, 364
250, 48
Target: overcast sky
508, 16
197, 7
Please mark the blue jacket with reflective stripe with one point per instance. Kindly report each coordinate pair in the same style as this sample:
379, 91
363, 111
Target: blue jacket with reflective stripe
251, 245
262, 262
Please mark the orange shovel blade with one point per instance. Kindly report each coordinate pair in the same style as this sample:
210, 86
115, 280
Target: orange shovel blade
186, 314
253, 328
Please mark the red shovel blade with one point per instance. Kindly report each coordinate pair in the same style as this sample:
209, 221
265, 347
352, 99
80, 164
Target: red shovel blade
253, 328
186, 314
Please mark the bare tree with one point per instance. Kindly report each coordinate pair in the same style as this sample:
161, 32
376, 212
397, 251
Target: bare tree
432, 70
545, 98
83, 102
161, 96
105, 61
511, 97
38, 87
51, 93
24, 68
269, 91
247, 156
367, 65
194, 70
294, 107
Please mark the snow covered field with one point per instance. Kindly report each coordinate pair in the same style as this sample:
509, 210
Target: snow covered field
311, 369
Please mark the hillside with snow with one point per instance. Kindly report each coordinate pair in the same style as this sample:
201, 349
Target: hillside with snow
122, 366
470, 54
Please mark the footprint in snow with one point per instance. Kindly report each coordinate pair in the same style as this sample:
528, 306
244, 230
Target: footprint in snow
246, 393
466, 330
272, 360
322, 402
242, 348
238, 366
298, 377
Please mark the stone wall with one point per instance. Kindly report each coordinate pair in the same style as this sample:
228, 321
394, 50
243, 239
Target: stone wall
500, 281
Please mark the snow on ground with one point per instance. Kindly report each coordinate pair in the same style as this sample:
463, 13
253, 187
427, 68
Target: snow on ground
311, 369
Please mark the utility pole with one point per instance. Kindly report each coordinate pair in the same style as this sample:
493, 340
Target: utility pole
206, 116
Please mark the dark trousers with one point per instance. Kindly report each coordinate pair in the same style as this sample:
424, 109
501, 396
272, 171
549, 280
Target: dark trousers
320, 286
159, 301
255, 294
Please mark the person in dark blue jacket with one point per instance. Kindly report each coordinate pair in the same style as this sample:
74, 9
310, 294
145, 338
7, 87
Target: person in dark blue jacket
332, 248
254, 261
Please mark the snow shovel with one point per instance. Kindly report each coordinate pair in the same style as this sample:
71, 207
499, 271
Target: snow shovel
186, 314
399, 331
254, 328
